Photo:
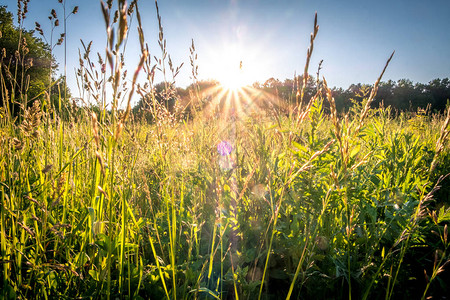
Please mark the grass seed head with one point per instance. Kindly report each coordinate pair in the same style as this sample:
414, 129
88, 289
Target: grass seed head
118, 131
18, 145
445, 234
32, 120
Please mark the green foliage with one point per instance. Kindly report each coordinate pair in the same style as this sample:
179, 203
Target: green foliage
173, 223
308, 205
23, 55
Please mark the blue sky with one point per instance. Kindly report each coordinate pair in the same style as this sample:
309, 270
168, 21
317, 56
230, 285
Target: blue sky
271, 37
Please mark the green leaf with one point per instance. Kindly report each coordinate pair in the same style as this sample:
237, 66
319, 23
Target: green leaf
444, 215
206, 290
298, 147
355, 151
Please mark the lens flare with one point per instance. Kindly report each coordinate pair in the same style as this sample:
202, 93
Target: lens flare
224, 148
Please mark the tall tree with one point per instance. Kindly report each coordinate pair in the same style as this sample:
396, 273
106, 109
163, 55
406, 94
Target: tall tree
24, 63
439, 91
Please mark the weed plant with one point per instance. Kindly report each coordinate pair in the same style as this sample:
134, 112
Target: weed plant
312, 205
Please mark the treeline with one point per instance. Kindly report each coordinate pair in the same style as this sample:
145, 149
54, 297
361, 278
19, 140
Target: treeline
401, 95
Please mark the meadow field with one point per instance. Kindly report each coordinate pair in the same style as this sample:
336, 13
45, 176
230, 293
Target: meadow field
221, 198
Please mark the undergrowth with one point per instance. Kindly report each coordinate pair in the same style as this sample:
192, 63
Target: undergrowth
307, 205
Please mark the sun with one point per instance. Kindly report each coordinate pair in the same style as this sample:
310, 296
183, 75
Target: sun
232, 77
233, 67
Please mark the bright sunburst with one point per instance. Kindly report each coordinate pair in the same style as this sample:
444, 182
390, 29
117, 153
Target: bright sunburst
233, 67
232, 77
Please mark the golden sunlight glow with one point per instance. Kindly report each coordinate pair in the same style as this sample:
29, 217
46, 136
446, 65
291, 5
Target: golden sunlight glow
236, 66
231, 77
233, 68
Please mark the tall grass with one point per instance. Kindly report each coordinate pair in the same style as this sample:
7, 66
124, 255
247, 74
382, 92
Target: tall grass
310, 205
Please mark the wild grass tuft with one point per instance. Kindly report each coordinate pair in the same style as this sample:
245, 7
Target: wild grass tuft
177, 205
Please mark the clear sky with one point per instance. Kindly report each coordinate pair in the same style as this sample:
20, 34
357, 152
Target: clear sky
271, 37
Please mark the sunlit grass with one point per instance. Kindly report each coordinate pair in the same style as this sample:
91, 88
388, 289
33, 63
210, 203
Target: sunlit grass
242, 197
